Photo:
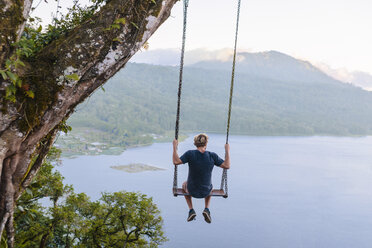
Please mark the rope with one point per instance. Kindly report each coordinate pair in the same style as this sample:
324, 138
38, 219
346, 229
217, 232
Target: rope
224, 173
185, 5
233, 74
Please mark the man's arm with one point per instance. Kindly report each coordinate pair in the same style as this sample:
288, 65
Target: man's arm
176, 158
226, 163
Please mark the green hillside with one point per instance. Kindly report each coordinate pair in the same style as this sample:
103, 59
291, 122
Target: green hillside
139, 103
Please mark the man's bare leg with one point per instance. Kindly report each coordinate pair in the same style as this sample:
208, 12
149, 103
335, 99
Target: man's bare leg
188, 198
207, 201
189, 201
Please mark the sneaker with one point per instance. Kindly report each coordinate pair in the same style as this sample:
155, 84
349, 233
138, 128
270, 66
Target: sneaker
192, 215
207, 215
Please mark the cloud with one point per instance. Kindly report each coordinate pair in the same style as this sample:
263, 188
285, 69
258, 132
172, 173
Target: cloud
357, 78
172, 56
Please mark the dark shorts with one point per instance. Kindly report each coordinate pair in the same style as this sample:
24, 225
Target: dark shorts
184, 187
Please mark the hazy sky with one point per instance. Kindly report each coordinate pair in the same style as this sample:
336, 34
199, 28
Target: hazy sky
335, 32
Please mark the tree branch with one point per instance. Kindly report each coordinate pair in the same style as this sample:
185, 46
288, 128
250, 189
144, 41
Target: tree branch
10, 230
42, 153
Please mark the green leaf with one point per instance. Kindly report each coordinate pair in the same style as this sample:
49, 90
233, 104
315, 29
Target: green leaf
11, 98
19, 62
74, 77
30, 94
32, 213
29, 191
12, 76
3, 242
64, 127
117, 26
135, 25
8, 92
27, 52
7, 63
5, 77
120, 20
13, 89
103, 89
39, 29
19, 83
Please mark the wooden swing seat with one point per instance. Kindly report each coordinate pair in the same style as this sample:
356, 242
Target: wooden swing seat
215, 192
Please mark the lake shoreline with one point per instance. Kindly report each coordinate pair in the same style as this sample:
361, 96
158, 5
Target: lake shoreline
117, 150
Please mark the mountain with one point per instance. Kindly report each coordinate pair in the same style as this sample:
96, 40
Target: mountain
263, 63
270, 65
274, 95
357, 78
362, 79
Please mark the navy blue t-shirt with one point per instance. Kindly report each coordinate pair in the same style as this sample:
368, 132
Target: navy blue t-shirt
199, 181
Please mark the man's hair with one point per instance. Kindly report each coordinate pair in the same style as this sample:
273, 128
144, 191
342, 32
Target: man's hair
201, 140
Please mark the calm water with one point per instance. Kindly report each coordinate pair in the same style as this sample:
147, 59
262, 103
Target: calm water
283, 191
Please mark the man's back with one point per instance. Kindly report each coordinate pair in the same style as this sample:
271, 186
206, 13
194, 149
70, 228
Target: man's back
200, 171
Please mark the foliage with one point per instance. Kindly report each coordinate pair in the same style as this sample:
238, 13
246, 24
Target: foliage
9, 73
72, 220
122, 219
3, 242
35, 39
35, 222
76, 15
64, 127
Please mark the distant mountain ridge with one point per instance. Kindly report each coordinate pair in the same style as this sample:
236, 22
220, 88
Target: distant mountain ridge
362, 79
357, 78
273, 64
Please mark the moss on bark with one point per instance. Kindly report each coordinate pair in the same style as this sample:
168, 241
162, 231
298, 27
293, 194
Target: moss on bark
11, 18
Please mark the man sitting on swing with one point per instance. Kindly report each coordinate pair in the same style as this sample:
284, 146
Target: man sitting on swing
201, 163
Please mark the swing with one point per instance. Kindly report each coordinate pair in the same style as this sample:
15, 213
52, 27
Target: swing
222, 191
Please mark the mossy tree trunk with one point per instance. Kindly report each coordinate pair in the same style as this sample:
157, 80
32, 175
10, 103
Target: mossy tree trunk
61, 76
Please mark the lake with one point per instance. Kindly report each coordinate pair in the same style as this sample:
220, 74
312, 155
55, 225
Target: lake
283, 191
